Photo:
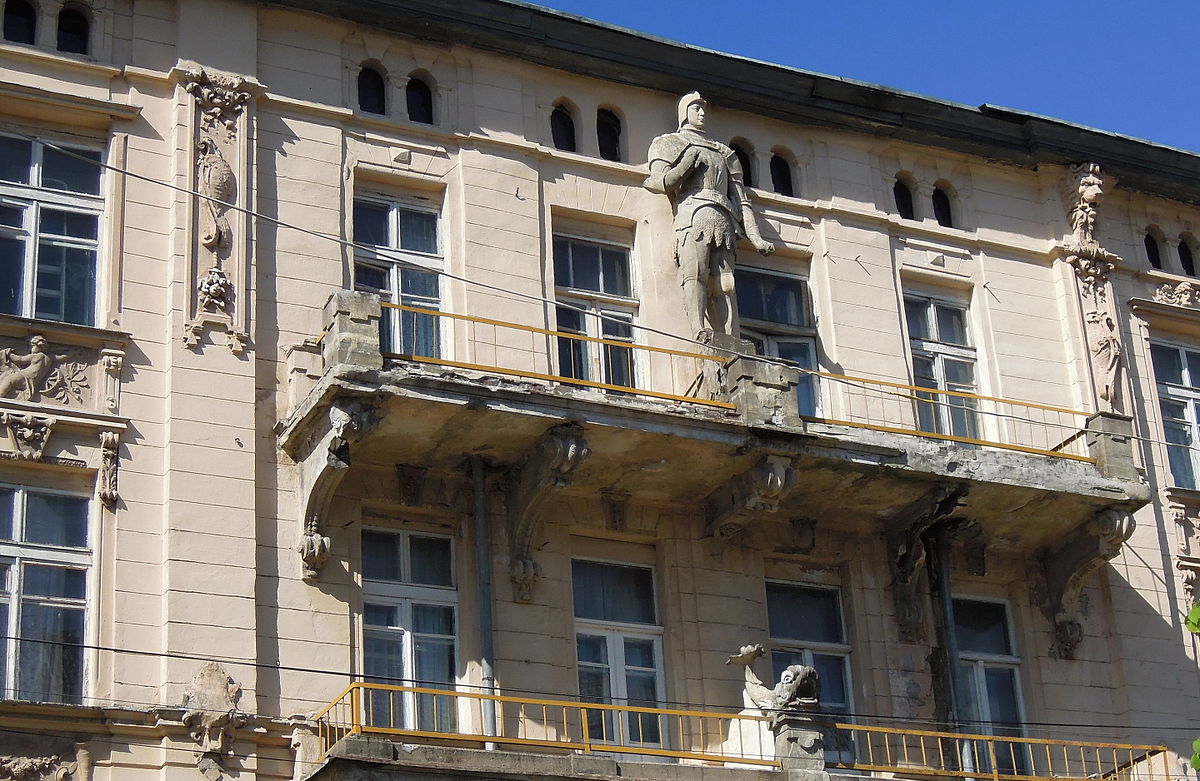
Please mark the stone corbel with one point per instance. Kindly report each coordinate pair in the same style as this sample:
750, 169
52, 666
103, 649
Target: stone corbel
1068, 568
321, 469
904, 532
212, 717
112, 362
29, 757
28, 434
110, 442
735, 505
549, 465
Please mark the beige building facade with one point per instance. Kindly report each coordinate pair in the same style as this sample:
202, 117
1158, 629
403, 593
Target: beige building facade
346, 362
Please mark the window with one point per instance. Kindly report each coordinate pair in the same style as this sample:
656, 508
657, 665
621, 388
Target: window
562, 128
619, 649
1177, 372
593, 278
904, 199
1153, 254
941, 208
20, 21
372, 91
1186, 259
73, 31
44, 559
400, 263
781, 176
50, 208
608, 134
409, 628
774, 314
989, 673
942, 359
742, 154
419, 97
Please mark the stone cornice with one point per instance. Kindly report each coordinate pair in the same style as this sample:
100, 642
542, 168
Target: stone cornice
37, 103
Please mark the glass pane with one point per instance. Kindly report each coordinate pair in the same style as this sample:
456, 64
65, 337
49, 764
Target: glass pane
1001, 685
615, 266
964, 417
594, 686
418, 231
77, 171
802, 613
562, 263
915, 314
380, 615
1193, 367
618, 366
431, 561
419, 283
981, 627
42, 580
803, 354
642, 691
639, 653
3, 642
1168, 367
585, 266
1179, 453
572, 353
370, 224
952, 325
12, 216
383, 662
433, 619
381, 556
50, 653
12, 263
66, 284
611, 592
434, 660
7, 532
373, 278
960, 375
831, 671
56, 520
592, 649
16, 156
419, 334
770, 298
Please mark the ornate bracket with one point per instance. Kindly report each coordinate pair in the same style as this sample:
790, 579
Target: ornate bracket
735, 505
547, 466
212, 717
1070, 565
904, 532
110, 441
321, 469
28, 434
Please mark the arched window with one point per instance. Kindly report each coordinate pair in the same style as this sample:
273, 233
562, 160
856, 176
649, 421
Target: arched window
73, 31
1152, 252
20, 21
941, 208
372, 91
608, 134
904, 199
781, 176
1185, 257
419, 96
562, 128
743, 157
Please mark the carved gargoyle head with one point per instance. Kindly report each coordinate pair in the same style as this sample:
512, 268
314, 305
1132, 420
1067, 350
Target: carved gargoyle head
799, 688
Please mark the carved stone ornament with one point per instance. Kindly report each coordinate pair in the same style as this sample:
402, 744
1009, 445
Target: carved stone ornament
1068, 568
220, 99
38, 374
738, 503
30, 757
548, 466
799, 687
109, 463
213, 289
216, 182
1183, 294
112, 361
212, 717
28, 434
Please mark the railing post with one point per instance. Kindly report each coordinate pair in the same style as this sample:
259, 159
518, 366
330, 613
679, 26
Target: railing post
352, 330
1110, 441
355, 710
991, 744
583, 723
800, 746
763, 392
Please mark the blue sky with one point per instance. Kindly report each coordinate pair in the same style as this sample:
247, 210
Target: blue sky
1124, 66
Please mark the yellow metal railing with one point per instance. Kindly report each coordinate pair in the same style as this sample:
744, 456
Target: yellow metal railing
927, 754
414, 712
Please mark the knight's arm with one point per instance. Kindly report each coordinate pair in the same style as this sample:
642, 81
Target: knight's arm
666, 176
737, 192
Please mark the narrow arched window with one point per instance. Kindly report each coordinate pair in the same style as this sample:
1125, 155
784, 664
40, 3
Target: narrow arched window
419, 96
941, 208
1185, 257
73, 28
372, 91
743, 157
1152, 252
608, 134
20, 21
904, 200
562, 128
781, 176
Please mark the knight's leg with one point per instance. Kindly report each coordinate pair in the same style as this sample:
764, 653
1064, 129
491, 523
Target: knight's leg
722, 303
693, 271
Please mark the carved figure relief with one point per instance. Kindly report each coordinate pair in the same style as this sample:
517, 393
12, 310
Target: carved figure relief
1183, 294
28, 434
703, 180
212, 716
29, 757
64, 375
26, 377
799, 687
217, 184
109, 460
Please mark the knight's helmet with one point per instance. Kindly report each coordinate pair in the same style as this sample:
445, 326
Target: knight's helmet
686, 101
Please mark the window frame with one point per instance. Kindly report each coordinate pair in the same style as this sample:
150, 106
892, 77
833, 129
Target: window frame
771, 334
938, 351
1188, 396
981, 661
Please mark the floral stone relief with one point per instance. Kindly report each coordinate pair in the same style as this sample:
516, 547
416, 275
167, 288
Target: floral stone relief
35, 370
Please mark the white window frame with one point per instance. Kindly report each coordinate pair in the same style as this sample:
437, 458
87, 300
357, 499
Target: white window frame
403, 595
980, 662
937, 351
1189, 396
595, 304
15, 554
773, 334
391, 260
32, 198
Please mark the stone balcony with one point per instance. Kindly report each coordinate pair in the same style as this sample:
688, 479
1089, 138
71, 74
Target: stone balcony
739, 452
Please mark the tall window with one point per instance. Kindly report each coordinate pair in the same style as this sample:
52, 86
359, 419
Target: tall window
608, 134
903, 196
419, 97
372, 91
409, 634
781, 176
400, 262
774, 314
44, 559
20, 21
1177, 372
73, 30
742, 153
593, 278
1186, 259
619, 649
50, 208
807, 628
562, 128
943, 359
1153, 253
941, 208
989, 664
